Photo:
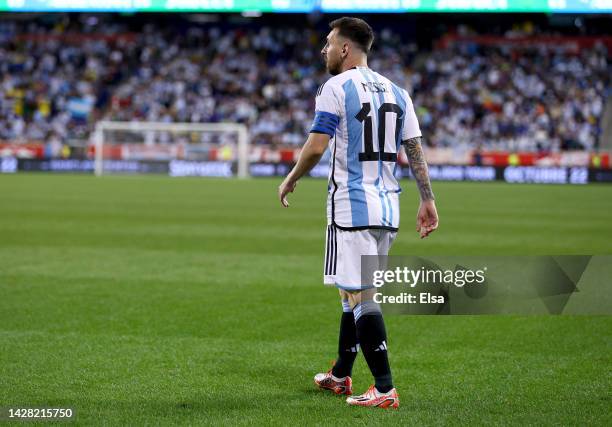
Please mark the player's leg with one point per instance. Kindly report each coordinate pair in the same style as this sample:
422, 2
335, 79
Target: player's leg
338, 379
372, 337
347, 340
343, 268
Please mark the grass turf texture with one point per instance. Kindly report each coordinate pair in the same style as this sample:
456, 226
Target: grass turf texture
191, 301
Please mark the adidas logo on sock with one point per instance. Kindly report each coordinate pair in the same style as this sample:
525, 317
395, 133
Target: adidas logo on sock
382, 347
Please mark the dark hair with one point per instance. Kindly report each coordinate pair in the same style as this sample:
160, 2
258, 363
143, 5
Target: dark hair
356, 30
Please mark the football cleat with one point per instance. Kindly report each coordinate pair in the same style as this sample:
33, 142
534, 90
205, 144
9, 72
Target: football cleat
373, 397
327, 381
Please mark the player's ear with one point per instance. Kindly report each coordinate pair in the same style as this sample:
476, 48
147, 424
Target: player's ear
345, 50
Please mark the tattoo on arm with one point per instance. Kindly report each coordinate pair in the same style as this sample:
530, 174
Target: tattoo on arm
417, 162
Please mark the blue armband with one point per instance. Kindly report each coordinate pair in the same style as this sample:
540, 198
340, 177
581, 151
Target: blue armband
325, 123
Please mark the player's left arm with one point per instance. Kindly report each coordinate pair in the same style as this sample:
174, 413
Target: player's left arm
327, 117
309, 157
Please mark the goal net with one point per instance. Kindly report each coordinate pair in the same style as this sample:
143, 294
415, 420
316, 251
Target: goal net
178, 149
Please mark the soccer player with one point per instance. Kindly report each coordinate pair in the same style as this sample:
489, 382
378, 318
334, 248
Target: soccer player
363, 118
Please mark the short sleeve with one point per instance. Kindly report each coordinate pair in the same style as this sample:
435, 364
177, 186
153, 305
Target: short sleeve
411, 124
327, 111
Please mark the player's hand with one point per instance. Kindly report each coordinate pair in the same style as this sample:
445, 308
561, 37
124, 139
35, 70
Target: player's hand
285, 188
427, 218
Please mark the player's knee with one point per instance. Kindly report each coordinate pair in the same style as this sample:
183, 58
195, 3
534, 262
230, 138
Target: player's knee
359, 297
353, 298
344, 300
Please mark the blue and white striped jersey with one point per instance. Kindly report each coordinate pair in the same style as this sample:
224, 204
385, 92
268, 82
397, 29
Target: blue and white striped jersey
367, 118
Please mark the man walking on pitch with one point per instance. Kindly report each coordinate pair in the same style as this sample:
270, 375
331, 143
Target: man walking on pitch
364, 118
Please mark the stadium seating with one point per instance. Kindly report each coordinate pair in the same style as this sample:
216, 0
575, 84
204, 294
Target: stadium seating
55, 82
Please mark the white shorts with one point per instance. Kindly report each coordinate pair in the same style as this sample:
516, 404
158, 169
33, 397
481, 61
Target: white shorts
343, 251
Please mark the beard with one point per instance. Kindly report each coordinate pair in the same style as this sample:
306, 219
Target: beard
334, 67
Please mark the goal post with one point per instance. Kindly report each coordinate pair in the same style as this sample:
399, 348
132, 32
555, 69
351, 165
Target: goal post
151, 130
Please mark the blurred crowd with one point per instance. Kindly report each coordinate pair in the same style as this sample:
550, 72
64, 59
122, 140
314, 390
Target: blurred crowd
54, 88
496, 98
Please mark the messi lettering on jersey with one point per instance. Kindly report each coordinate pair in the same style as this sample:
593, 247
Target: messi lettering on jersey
367, 117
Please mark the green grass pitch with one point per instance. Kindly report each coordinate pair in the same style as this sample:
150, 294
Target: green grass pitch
151, 300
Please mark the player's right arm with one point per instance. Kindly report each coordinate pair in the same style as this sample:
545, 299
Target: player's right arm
418, 165
427, 215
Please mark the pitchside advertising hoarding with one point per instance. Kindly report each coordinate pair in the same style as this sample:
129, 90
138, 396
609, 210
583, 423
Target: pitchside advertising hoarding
228, 169
554, 6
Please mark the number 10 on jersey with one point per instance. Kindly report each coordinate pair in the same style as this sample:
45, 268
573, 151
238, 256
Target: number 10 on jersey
369, 155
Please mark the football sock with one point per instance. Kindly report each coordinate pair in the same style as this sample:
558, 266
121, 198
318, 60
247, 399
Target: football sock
347, 343
372, 336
